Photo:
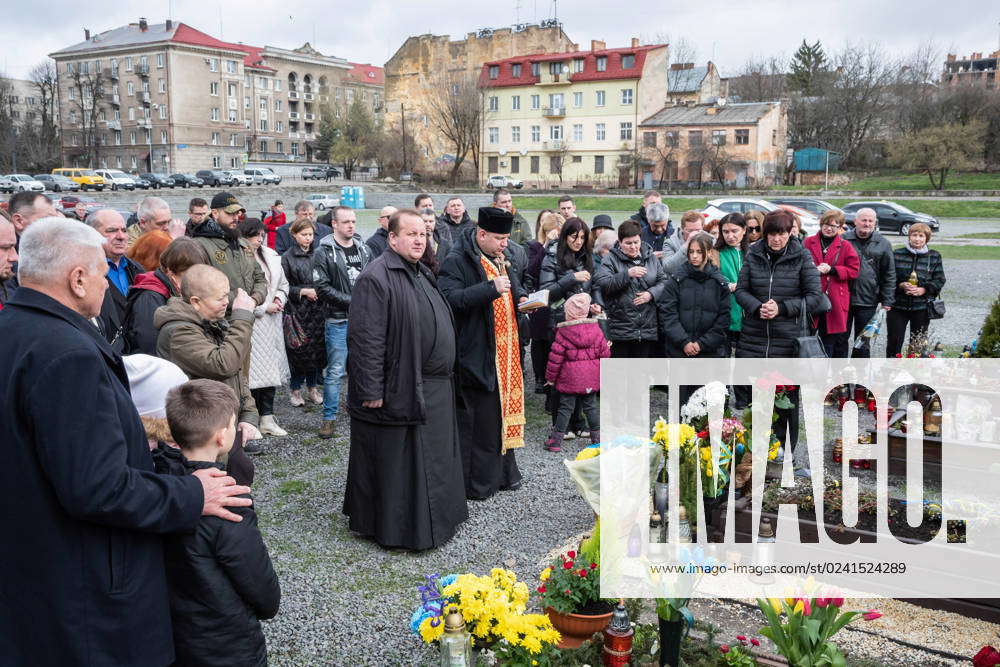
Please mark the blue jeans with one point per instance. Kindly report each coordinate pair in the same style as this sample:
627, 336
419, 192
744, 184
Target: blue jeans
336, 365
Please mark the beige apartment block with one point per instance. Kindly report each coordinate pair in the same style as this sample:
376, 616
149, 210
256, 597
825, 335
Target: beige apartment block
570, 118
743, 144
168, 98
419, 68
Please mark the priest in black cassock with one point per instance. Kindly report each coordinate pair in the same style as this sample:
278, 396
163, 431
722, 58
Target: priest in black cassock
404, 477
484, 295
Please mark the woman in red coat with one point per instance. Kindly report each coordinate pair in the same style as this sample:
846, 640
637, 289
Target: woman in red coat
838, 264
273, 220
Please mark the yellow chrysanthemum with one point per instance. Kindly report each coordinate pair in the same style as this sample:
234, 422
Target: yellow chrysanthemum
430, 633
546, 573
588, 453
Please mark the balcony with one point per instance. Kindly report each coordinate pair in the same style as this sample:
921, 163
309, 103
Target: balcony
293, 94
293, 115
115, 125
554, 112
142, 70
553, 145
112, 73
293, 135
116, 100
145, 123
144, 97
308, 97
310, 117
546, 78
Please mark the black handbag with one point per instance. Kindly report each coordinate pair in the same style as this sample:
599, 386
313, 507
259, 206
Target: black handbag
935, 308
809, 346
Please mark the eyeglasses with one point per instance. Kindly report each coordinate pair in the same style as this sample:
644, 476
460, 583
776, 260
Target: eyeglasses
835, 225
753, 229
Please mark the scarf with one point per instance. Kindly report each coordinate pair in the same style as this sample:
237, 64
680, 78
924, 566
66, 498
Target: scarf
510, 381
916, 251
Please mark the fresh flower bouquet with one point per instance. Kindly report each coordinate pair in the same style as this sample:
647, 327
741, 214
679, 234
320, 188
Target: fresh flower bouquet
572, 585
493, 607
801, 628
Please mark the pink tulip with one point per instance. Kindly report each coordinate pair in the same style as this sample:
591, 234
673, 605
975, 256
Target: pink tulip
724, 648
822, 602
837, 602
871, 615
806, 607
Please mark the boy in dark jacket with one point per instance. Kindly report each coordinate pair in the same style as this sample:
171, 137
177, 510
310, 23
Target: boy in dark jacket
220, 576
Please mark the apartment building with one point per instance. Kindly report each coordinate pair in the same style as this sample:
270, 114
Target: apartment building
24, 102
566, 118
687, 84
974, 70
169, 98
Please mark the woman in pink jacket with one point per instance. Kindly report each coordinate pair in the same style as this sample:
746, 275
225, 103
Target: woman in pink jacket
838, 265
575, 368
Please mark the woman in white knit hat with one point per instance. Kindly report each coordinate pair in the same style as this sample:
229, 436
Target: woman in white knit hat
149, 379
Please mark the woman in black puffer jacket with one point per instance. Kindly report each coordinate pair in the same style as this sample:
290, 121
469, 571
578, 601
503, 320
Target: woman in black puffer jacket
775, 278
567, 269
694, 308
546, 233
915, 262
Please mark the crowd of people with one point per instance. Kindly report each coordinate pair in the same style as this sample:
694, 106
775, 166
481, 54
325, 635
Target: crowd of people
145, 356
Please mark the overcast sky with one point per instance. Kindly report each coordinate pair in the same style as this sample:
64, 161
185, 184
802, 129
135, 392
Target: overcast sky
372, 30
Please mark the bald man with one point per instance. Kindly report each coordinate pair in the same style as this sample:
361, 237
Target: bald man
122, 272
8, 256
379, 241
77, 485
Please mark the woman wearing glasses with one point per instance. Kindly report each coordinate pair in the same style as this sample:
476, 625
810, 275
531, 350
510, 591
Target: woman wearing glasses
755, 223
838, 264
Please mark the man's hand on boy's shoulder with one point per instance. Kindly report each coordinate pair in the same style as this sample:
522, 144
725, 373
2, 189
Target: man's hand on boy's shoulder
221, 491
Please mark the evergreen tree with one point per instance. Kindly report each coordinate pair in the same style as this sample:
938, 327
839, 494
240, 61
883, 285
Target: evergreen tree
989, 338
348, 138
808, 67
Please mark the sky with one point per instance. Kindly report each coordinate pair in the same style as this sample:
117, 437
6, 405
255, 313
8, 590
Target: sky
726, 31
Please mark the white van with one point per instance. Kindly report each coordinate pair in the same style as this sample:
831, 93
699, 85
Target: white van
263, 176
118, 179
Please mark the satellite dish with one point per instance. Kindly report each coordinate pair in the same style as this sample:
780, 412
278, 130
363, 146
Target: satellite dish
565, 69
502, 152
524, 151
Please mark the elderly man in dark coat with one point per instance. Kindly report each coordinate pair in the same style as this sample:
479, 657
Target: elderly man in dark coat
483, 295
82, 560
404, 476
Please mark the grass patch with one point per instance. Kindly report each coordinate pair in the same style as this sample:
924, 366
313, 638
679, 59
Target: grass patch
943, 208
909, 181
966, 251
981, 235
292, 487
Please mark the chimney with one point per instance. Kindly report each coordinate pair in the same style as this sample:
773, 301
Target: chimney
170, 25
676, 66
597, 45
635, 42
143, 26
86, 34
951, 57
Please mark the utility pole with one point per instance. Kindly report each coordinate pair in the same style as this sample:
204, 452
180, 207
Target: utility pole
402, 117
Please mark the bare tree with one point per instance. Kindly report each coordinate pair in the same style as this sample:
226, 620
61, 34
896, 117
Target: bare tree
716, 158
88, 89
42, 137
456, 111
760, 80
8, 128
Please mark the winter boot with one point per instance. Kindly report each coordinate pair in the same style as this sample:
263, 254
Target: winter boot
595, 437
296, 398
326, 430
315, 395
554, 443
270, 427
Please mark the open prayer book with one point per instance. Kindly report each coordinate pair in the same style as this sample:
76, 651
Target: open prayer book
539, 299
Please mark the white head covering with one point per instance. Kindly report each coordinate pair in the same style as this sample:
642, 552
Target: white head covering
150, 378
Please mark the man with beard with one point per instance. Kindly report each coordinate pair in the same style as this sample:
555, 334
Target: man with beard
404, 481
8, 256
483, 295
229, 253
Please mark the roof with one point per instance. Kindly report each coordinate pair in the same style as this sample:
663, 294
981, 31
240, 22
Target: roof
614, 68
730, 114
686, 80
365, 73
155, 33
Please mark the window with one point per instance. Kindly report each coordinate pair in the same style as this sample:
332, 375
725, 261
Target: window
494, 71
135, 163
231, 66
515, 70
555, 67
234, 162
578, 132
130, 89
649, 139
246, 102
163, 136
118, 138
213, 64
145, 113
694, 171
515, 164
232, 116
163, 112
673, 138
263, 125
159, 60
535, 71
577, 65
628, 61
534, 164
145, 86
295, 148
128, 63
694, 137
718, 137
556, 132
515, 134
118, 161
536, 101
144, 62
774, 137
671, 170
602, 63
234, 139
557, 101
72, 93
600, 98
577, 159
231, 89
493, 134
626, 96
349, 94
742, 137
277, 105
279, 146
162, 87
493, 164
494, 102
215, 114
515, 103
213, 87
69, 68
598, 164
131, 113
536, 133
84, 67
601, 132
625, 131
215, 138
216, 162
577, 100
118, 114
277, 85
262, 82
131, 137
263, 104
279, 126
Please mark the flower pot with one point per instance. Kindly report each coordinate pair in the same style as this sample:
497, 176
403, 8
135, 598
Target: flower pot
577, 628
671, 634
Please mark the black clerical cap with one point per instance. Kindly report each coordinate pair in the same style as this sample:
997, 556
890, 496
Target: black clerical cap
495, 220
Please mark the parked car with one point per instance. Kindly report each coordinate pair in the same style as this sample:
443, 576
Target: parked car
891, 217
497, 182
57, 183
718, 208
157, 181
239, 178
118, 179
409, 177
815, 206
323, 201
187, 181
24, 183
214, 177
6, 185
87, 178
141, 183
263, 176
318, 173
68, 202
